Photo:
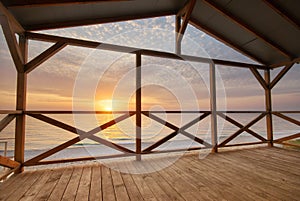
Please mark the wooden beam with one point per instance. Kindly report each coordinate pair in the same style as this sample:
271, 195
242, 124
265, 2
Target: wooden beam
66, 24
138, 106
6, 162
268, 105
4, 175
288, 144
297, 135
224, 40
177, 28
44, 56
259, 78
16, 26
213, 107
31, 3
76, 139
251, 123
250, 29
280, 75
185, 13
229, 119
294, 121
12, 43
283, 13
243, 144
285, 63
6, 120
21, 105
132, 50
78, 131
176, 131
183, 128
10, 112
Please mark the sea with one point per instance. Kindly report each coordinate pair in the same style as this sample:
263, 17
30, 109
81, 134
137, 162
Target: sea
41, 136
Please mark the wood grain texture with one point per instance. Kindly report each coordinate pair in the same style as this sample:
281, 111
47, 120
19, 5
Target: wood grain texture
249, 174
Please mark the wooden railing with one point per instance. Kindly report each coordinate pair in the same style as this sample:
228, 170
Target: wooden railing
153, 115
283, 140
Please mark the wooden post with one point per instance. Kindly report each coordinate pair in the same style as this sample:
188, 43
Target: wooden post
138, 106
213, 108
21, 105
268, 102
177, 29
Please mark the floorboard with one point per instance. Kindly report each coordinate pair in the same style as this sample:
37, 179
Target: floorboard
244, 174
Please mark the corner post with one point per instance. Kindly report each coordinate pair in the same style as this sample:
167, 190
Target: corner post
21, 105
213, 108
268, 104
138, 106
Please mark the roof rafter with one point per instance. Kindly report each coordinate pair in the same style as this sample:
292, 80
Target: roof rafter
224, 40
185, 13
250, 29
283, 13
12, 43
16, 27
297, 60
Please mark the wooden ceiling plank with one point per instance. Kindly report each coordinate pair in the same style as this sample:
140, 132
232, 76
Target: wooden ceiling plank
225, 41
283, 13
31, 3
250, 29
84, 22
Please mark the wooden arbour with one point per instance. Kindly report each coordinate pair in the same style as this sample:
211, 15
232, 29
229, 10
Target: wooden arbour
19, 51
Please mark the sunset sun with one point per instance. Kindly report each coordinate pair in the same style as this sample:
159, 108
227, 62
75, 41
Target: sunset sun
105, 105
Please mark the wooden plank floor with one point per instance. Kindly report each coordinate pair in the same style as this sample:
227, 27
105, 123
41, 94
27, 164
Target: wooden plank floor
249, 174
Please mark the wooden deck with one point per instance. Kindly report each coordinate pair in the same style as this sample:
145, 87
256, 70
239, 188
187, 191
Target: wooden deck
251, 174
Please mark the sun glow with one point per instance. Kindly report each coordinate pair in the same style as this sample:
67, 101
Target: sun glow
105, 105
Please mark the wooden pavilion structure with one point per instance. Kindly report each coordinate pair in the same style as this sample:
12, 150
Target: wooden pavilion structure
266, 31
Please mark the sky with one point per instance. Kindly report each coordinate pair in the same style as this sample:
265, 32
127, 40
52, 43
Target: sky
91, 79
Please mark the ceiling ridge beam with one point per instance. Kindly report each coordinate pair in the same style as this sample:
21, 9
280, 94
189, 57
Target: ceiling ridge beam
224, 40
250, 29
283, 13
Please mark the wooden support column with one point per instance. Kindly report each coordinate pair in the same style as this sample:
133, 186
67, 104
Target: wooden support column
21, 105
185, 14
268, 102
177, 28
213, 108
138, 106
